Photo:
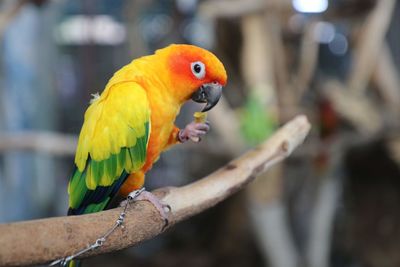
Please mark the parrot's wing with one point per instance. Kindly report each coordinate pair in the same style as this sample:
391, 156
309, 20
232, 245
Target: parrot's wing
112, 143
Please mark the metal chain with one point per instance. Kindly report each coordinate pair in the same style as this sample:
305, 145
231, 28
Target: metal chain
100, 241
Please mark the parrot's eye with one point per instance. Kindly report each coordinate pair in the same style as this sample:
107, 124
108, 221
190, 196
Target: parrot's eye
198, 69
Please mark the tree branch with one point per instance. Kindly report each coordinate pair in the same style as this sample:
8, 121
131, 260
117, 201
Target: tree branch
44, 142
239, 8
357, 109
40, 241
369, 45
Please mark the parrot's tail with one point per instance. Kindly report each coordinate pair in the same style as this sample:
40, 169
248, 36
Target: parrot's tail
75, 263
98, 200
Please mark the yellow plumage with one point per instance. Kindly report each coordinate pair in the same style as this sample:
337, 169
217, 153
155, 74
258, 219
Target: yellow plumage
113, 121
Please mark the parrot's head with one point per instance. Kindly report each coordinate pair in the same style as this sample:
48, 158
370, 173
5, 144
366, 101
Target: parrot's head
195, 73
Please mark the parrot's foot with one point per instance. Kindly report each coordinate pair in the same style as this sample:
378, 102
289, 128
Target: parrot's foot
142, 194
193, 131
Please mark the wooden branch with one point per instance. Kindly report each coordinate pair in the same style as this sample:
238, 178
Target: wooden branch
276, 242
43, 142
355, 108
369, 45
318, 249
257, 60
257, 57
308, 60
286, 97
387, 79
40, 241
239, 8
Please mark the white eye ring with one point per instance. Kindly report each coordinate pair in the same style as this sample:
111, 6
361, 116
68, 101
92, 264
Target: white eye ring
198, 69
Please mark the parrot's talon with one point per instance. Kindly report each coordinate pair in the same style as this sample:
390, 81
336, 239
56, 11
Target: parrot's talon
193, 131
166, 223
157, 203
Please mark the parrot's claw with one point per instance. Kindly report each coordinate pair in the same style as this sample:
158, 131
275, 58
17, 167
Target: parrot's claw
142, 194
193, 131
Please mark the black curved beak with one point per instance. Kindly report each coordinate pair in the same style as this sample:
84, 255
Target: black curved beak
209, 93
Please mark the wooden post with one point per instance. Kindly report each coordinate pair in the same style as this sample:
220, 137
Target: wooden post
369, 45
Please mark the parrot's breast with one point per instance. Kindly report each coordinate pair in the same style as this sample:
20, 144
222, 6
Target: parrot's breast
163, 115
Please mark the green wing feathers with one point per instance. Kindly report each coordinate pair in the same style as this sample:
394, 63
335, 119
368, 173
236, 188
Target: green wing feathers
112, 143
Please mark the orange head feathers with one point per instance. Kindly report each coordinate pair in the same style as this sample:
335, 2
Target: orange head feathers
193, 70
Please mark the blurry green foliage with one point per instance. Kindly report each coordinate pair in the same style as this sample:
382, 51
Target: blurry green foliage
256, 122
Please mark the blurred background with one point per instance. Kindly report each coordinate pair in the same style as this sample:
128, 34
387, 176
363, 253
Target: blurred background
335, 202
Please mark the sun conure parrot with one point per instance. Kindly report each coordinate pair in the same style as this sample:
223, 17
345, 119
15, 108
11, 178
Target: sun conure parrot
131, 122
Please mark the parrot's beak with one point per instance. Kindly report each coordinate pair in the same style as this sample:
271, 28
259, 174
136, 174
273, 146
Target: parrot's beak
209, 93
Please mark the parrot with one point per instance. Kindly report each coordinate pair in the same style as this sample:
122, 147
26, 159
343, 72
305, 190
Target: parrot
132, 122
